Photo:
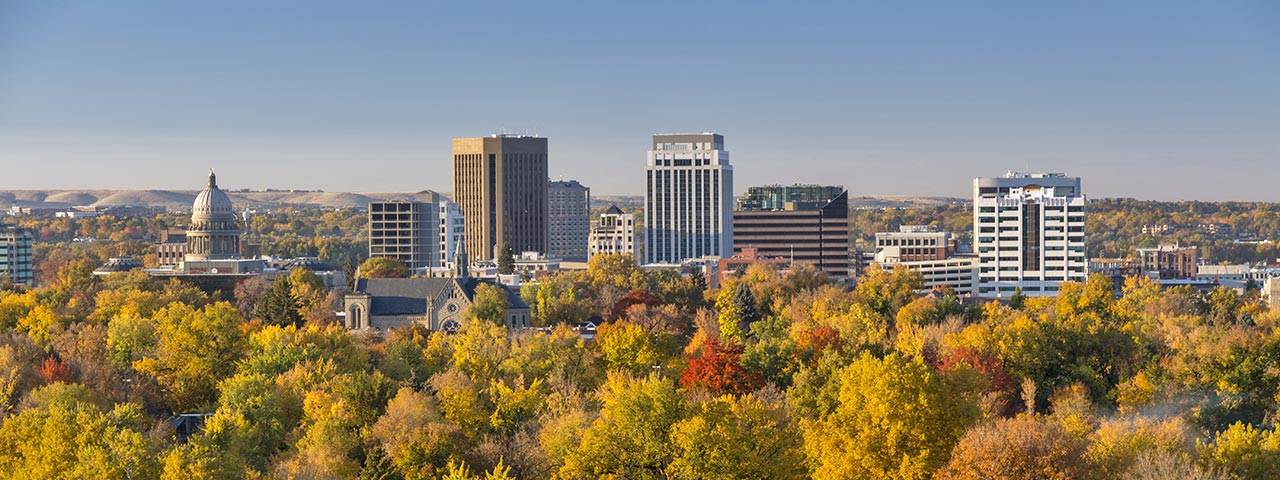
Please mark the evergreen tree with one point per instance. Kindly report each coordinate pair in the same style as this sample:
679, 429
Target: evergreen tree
506, 260
279, 306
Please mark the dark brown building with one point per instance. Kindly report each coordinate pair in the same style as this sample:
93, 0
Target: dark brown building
1170, 261
805, 224
500, 183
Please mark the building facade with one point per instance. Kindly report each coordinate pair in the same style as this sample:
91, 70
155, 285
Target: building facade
1168, 261
1028, 233
614, 233
15, 256
688, 198
806, 224
500, 182
569, 220
213, 238
435, 303
421, 233
933, 254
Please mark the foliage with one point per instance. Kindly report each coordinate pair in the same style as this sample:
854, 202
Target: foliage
383, 267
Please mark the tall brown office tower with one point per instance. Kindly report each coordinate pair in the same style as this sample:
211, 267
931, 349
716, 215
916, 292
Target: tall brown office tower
500, 181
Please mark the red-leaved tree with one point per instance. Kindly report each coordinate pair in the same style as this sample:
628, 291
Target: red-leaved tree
719, 370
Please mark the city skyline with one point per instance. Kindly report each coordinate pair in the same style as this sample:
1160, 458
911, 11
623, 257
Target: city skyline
1150, 100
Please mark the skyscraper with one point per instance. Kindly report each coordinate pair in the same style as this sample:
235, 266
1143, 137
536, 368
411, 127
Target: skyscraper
1028, 231
500, 182
806, 224
569, 222
688, 206
422, 232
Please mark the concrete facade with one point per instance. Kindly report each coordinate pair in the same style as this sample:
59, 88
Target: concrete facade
569, 219
614, 233
688, 198
15, 255
1028, 232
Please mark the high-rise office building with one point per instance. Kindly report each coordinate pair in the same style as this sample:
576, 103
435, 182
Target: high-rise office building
569, 222
806, 224
615, 232
15, 255
422, 233
500, 182
688, 198
1028, 232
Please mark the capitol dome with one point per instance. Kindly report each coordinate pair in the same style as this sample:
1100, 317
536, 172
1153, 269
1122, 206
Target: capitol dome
215, 231
212, 201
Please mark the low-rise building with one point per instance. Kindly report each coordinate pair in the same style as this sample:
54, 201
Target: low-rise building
435, 303
935, 255
614, 233
1168, 261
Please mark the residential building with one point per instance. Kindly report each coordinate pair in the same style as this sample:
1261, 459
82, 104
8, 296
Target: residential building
422, 233
1168, 261
615, 232
806, 224
688, 198
15, 256
1028, 233
500, 182
569, 219
933, 254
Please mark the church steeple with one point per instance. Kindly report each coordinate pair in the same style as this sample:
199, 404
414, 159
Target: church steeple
460, 269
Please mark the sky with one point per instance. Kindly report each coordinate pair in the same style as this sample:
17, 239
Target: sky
1162, 100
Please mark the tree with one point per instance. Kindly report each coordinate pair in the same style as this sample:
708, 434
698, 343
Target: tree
1244, 451
506, 260
628, 348
489, 304
196, 350
737, 311
1027, 447
383, 267
72, 439
279, 305
415, 436
632, 298
895, 419
631, 439
730, 438
719, 370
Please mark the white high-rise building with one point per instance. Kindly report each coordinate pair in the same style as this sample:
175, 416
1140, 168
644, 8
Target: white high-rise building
1028, 232
614, 233
452, 231
688, 206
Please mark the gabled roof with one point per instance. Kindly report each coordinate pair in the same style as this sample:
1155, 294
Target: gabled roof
408, 296
613, 210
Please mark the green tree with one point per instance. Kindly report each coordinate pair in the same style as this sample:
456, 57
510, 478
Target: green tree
279, 305
506, 260
738, 311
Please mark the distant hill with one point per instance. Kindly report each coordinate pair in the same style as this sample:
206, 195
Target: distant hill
181, 199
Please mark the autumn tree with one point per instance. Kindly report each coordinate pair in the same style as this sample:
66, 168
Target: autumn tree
719, 370
895, 419
490, 304
195, 350
631, 439
743, 437
1027, 447
383, 267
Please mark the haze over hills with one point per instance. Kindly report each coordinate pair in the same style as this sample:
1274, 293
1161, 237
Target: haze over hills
181, 199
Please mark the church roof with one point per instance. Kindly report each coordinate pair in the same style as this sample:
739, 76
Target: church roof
408, 296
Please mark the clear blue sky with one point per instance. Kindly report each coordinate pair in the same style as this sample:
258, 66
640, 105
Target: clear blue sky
1158, 100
